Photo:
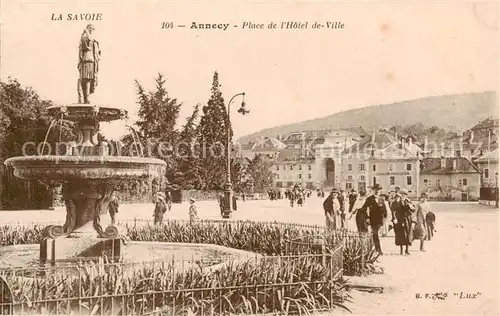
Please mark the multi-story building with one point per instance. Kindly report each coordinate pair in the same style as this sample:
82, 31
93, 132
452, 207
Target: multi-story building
384, 160
293, 167
450, 178
329, 156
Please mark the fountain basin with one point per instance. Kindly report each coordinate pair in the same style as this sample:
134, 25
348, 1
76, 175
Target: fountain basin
78, 112
65, 168
136, 253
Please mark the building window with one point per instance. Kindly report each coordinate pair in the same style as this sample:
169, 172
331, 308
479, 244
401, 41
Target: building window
309, 176
300, 176
300, 167
348, 186
361, 167
391, 167
374, 180
349, 167
362, 178
291, 167
486, 173
458, 153
438, 182
309, 167
392, 181
349, 178
408, 180
374, 167
408, 167
277, 167
460, 182
464, 181
425, 181
349, 157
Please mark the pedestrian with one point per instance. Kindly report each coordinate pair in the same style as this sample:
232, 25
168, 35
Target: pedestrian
243, 196
113, 207
193, 210
344, 205
235, 203
377, 210
353, 196
402, 221
336, 209
160, 209
430, 220
420, 231
328, 207
168, 200
387, 210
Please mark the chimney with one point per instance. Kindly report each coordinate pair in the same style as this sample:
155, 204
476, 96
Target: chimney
454, 164
471, 138
443, 162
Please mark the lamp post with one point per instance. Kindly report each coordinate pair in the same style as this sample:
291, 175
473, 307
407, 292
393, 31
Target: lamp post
228, 192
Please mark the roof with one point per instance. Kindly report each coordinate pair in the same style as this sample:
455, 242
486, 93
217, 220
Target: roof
248, 146
380, 141
293, 155
269, 143
433, 166
491, 156
486, 124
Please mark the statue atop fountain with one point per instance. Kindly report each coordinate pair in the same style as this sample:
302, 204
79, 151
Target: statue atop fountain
89, 55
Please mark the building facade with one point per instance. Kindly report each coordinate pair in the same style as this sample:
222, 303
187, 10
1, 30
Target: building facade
488, 164
384, 160
450, 178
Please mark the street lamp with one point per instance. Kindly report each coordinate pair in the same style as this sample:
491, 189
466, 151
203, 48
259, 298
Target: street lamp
228, 193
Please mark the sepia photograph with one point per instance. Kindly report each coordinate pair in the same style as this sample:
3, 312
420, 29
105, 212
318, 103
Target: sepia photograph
249, 157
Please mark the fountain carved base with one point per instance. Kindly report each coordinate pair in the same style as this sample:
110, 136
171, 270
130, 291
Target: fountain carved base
85, 202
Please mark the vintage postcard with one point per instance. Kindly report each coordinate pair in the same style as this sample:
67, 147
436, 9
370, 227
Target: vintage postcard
249, 158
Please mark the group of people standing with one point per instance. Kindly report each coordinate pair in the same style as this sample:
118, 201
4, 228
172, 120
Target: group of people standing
337, 205
410, 221
297, 194
382, 212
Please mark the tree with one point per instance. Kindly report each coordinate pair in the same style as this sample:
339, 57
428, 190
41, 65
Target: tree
212, 139
157, 112
188, 171
24, 119
260, 170
156, 132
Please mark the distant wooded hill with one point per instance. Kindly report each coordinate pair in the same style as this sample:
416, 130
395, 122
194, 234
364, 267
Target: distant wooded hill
458, 111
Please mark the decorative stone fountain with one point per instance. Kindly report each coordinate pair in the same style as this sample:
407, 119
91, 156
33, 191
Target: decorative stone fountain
88, 174
87, 171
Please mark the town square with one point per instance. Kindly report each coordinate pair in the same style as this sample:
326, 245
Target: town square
263, 164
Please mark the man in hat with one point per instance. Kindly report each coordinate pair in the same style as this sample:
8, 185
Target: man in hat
353, 196
377, 211
113, 207
193, 210
160, 208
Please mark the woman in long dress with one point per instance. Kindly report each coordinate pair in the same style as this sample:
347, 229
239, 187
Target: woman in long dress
420, 215
401, 211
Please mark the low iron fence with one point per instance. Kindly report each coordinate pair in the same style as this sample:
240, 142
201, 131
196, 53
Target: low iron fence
295, 268
258, 284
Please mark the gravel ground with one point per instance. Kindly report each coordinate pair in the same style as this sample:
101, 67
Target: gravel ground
461, 261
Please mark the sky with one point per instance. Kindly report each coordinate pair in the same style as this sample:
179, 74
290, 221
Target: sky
388, 51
